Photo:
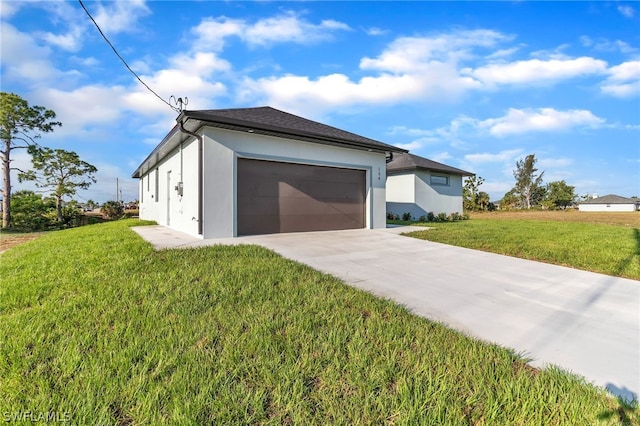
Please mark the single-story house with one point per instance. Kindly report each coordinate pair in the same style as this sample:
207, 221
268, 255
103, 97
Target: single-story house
417, 185
230, 172
610, 203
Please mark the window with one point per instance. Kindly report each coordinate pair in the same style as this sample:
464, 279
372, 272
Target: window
157, 189
439, 180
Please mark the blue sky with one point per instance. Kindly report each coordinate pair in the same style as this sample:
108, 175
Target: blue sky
475, 85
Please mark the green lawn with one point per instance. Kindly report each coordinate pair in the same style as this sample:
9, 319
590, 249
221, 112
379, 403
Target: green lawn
608, 249
96, 326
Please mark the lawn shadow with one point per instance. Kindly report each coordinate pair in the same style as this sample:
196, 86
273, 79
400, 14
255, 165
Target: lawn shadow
626, 412
623, 265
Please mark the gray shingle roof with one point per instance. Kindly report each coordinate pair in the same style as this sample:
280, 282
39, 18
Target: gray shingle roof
405, 161
265, 121
271, 121
611, 199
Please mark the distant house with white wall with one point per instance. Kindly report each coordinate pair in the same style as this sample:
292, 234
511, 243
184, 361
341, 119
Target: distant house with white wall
417, 185
610, 203
230, 172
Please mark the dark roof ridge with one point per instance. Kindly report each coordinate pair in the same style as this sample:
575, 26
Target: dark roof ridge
270, 119
407, 161
611, 199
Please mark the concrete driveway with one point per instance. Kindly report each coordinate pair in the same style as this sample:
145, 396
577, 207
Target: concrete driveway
584, 322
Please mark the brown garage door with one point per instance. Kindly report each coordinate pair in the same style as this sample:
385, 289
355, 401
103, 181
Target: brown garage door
283, 197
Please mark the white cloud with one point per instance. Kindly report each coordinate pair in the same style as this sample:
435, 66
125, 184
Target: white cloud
500, 157
554, 163
64, 14
502, 53
23, 59
411, 68
8, 9
519, 121
623, 80
626, 11
411, 146
290, 28
403, 130
496, 189
411, 54
120, 16
416, 69
441, 157
84, 61
71, 41
556, 53
375, 31
83, 107
212, 32
286, 28
300, 94
536, 70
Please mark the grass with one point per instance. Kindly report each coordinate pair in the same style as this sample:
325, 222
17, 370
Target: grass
607, 243
96, 326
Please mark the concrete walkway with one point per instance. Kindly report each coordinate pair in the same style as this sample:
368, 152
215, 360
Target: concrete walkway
584, 322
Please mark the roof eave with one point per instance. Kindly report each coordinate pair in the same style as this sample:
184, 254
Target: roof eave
270, 130
168, 143
413, 168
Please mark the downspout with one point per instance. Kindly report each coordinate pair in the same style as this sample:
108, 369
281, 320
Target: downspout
200, 179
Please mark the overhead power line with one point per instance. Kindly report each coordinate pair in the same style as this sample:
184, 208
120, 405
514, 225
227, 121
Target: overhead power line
176, 109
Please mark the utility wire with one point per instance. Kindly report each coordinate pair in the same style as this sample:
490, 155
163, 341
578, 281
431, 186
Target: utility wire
122, 59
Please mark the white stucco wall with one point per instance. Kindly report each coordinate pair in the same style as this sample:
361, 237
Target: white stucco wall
607, 207
223, 147
169, 208
426, 197
401, 188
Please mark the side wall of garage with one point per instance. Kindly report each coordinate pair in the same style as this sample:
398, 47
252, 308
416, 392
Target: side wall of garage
222, 148
160, 195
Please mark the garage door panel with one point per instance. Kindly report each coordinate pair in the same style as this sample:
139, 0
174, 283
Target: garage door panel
293, 206
259, 205
323, 191
282, 197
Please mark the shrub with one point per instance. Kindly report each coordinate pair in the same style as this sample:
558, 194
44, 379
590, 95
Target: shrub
442, 217
112, 210
455, 216
407, 216
422, 218
30, 212
71, 215
431, 217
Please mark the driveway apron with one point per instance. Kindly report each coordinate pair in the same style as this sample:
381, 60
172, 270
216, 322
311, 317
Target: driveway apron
583, 322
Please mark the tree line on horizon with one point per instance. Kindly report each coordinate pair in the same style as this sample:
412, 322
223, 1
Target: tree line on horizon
529, 191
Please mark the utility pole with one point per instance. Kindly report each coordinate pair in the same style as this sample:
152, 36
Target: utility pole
117, 190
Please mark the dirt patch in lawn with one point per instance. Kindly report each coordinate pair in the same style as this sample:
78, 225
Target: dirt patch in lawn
630, 219
9, 240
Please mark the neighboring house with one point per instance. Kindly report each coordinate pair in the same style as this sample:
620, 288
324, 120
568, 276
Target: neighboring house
417, 185
610, 203
230, 172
